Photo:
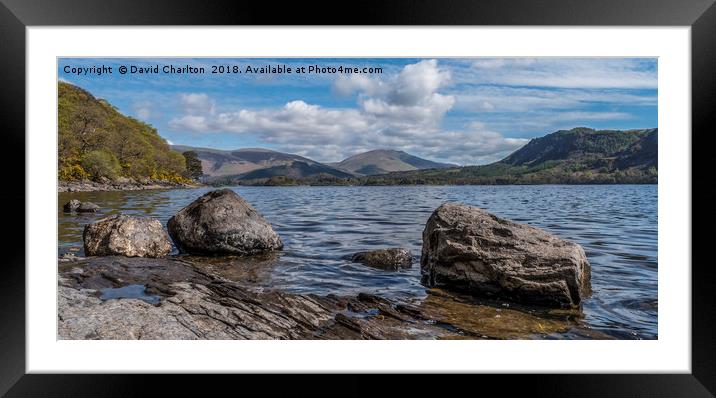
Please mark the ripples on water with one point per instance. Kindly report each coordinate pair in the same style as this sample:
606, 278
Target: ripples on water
320, 226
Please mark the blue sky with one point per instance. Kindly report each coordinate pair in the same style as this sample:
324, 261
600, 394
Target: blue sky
464, 111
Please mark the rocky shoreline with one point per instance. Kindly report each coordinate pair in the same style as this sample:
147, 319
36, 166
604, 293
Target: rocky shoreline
192, 303
485, 277
121, 184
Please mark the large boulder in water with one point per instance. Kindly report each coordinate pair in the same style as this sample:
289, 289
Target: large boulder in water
126, 236
221, 222
468, 249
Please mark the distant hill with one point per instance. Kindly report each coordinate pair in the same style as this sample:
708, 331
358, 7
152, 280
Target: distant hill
97, 142
382, 161
257, 163
576, 144
577, 156
643, 153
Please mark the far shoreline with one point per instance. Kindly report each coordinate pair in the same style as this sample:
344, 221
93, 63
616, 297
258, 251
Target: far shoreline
93, 186
64, 187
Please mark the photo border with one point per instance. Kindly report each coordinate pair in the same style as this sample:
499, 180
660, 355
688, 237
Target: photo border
16, 15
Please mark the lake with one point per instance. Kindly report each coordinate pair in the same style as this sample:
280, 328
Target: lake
322, 226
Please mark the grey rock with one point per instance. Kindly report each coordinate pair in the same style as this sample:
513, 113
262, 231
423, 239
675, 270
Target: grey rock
127, 236
87, 207
388, 259
69, 257
71, 206
221, 222
196, 304
466, 248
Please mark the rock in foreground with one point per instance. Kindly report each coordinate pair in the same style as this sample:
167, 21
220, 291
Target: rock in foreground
197, 305
388, 259
126, 236
221, 222
466, 248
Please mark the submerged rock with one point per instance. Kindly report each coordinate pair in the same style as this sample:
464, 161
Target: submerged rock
80, 207
221, 222
126, 236
388, 259
87, 207
466, 248
71, 206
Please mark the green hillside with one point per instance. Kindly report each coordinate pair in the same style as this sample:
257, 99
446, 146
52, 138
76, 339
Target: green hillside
577, 156
97, 142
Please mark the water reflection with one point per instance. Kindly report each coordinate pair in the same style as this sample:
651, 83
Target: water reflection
129, 291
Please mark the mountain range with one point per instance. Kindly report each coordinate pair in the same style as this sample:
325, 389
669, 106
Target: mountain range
577, 156
226, 166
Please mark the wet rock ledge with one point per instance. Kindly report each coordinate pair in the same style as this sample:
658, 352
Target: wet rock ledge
181, 301
196, 305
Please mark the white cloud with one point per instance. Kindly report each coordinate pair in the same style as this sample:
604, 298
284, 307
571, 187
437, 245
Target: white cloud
197, 103
575, 116
620, 73
520, 99
197, 124
350, 84
418, 82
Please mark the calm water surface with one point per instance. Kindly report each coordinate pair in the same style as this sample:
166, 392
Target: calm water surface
321, 226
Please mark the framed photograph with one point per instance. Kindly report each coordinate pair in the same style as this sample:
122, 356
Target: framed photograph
472, 188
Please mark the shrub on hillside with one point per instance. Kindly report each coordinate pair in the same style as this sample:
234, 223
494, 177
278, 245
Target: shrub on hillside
101, 164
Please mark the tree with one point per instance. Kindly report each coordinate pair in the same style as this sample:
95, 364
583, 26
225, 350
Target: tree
101, 164
96, 140
193, 165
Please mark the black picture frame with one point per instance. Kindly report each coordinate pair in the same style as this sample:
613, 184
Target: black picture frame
16, 15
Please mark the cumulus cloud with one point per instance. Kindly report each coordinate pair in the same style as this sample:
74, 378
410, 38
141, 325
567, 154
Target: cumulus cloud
346, 85
403, 112
418, 82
